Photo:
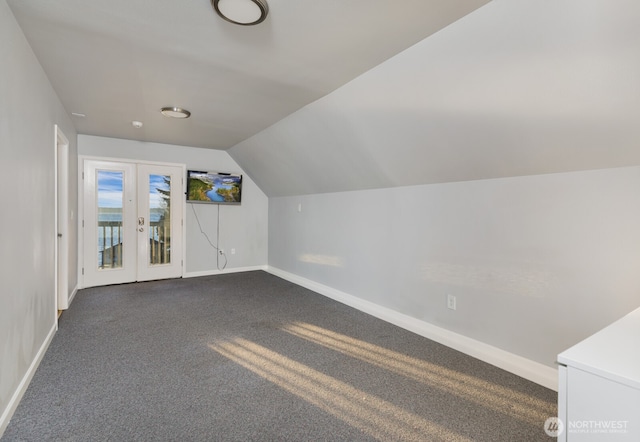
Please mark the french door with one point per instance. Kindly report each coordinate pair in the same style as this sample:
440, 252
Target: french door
132, 224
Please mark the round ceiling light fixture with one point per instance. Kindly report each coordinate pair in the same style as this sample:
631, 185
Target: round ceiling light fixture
175, 112
242, 12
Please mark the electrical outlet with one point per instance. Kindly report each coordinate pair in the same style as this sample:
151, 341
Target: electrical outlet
233, 251
451, 302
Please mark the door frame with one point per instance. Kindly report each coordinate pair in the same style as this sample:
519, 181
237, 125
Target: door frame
81, 160
61, 220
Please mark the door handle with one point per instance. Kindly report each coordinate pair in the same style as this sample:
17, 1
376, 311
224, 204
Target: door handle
141, 221
141, 229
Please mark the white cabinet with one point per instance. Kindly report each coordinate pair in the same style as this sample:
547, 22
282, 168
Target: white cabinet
599, 385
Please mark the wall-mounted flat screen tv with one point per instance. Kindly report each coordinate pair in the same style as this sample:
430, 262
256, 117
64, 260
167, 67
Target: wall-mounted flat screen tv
213, 187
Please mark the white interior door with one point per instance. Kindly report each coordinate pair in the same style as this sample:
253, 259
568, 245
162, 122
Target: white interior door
160, 200
109, 226
132, 225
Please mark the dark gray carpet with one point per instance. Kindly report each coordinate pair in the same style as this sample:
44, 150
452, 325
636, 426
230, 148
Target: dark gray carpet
251, 357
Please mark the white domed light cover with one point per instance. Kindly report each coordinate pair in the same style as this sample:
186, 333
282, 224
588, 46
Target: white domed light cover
242, 12
175, 112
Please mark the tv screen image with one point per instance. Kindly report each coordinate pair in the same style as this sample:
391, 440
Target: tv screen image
213, 187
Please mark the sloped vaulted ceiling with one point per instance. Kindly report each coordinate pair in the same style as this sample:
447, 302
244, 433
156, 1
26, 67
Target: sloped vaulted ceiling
121, 60
519, 87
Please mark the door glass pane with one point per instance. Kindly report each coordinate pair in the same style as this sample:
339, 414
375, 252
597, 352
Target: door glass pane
110, 203
159, 219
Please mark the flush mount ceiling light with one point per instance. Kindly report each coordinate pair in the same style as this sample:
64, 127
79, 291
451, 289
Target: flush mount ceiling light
175, 112
242, 12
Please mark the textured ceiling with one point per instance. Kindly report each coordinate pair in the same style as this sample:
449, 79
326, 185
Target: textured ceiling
122, 60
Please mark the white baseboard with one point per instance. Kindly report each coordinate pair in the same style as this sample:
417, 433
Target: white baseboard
526, 368
220, 272
24, 383
73, 294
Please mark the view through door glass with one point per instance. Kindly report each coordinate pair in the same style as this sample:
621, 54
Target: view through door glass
159, 219
110, 210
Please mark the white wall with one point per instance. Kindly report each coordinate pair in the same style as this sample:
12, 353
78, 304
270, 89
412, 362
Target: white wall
517, 87
537, 263
535, 90
30, 109
242, 227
